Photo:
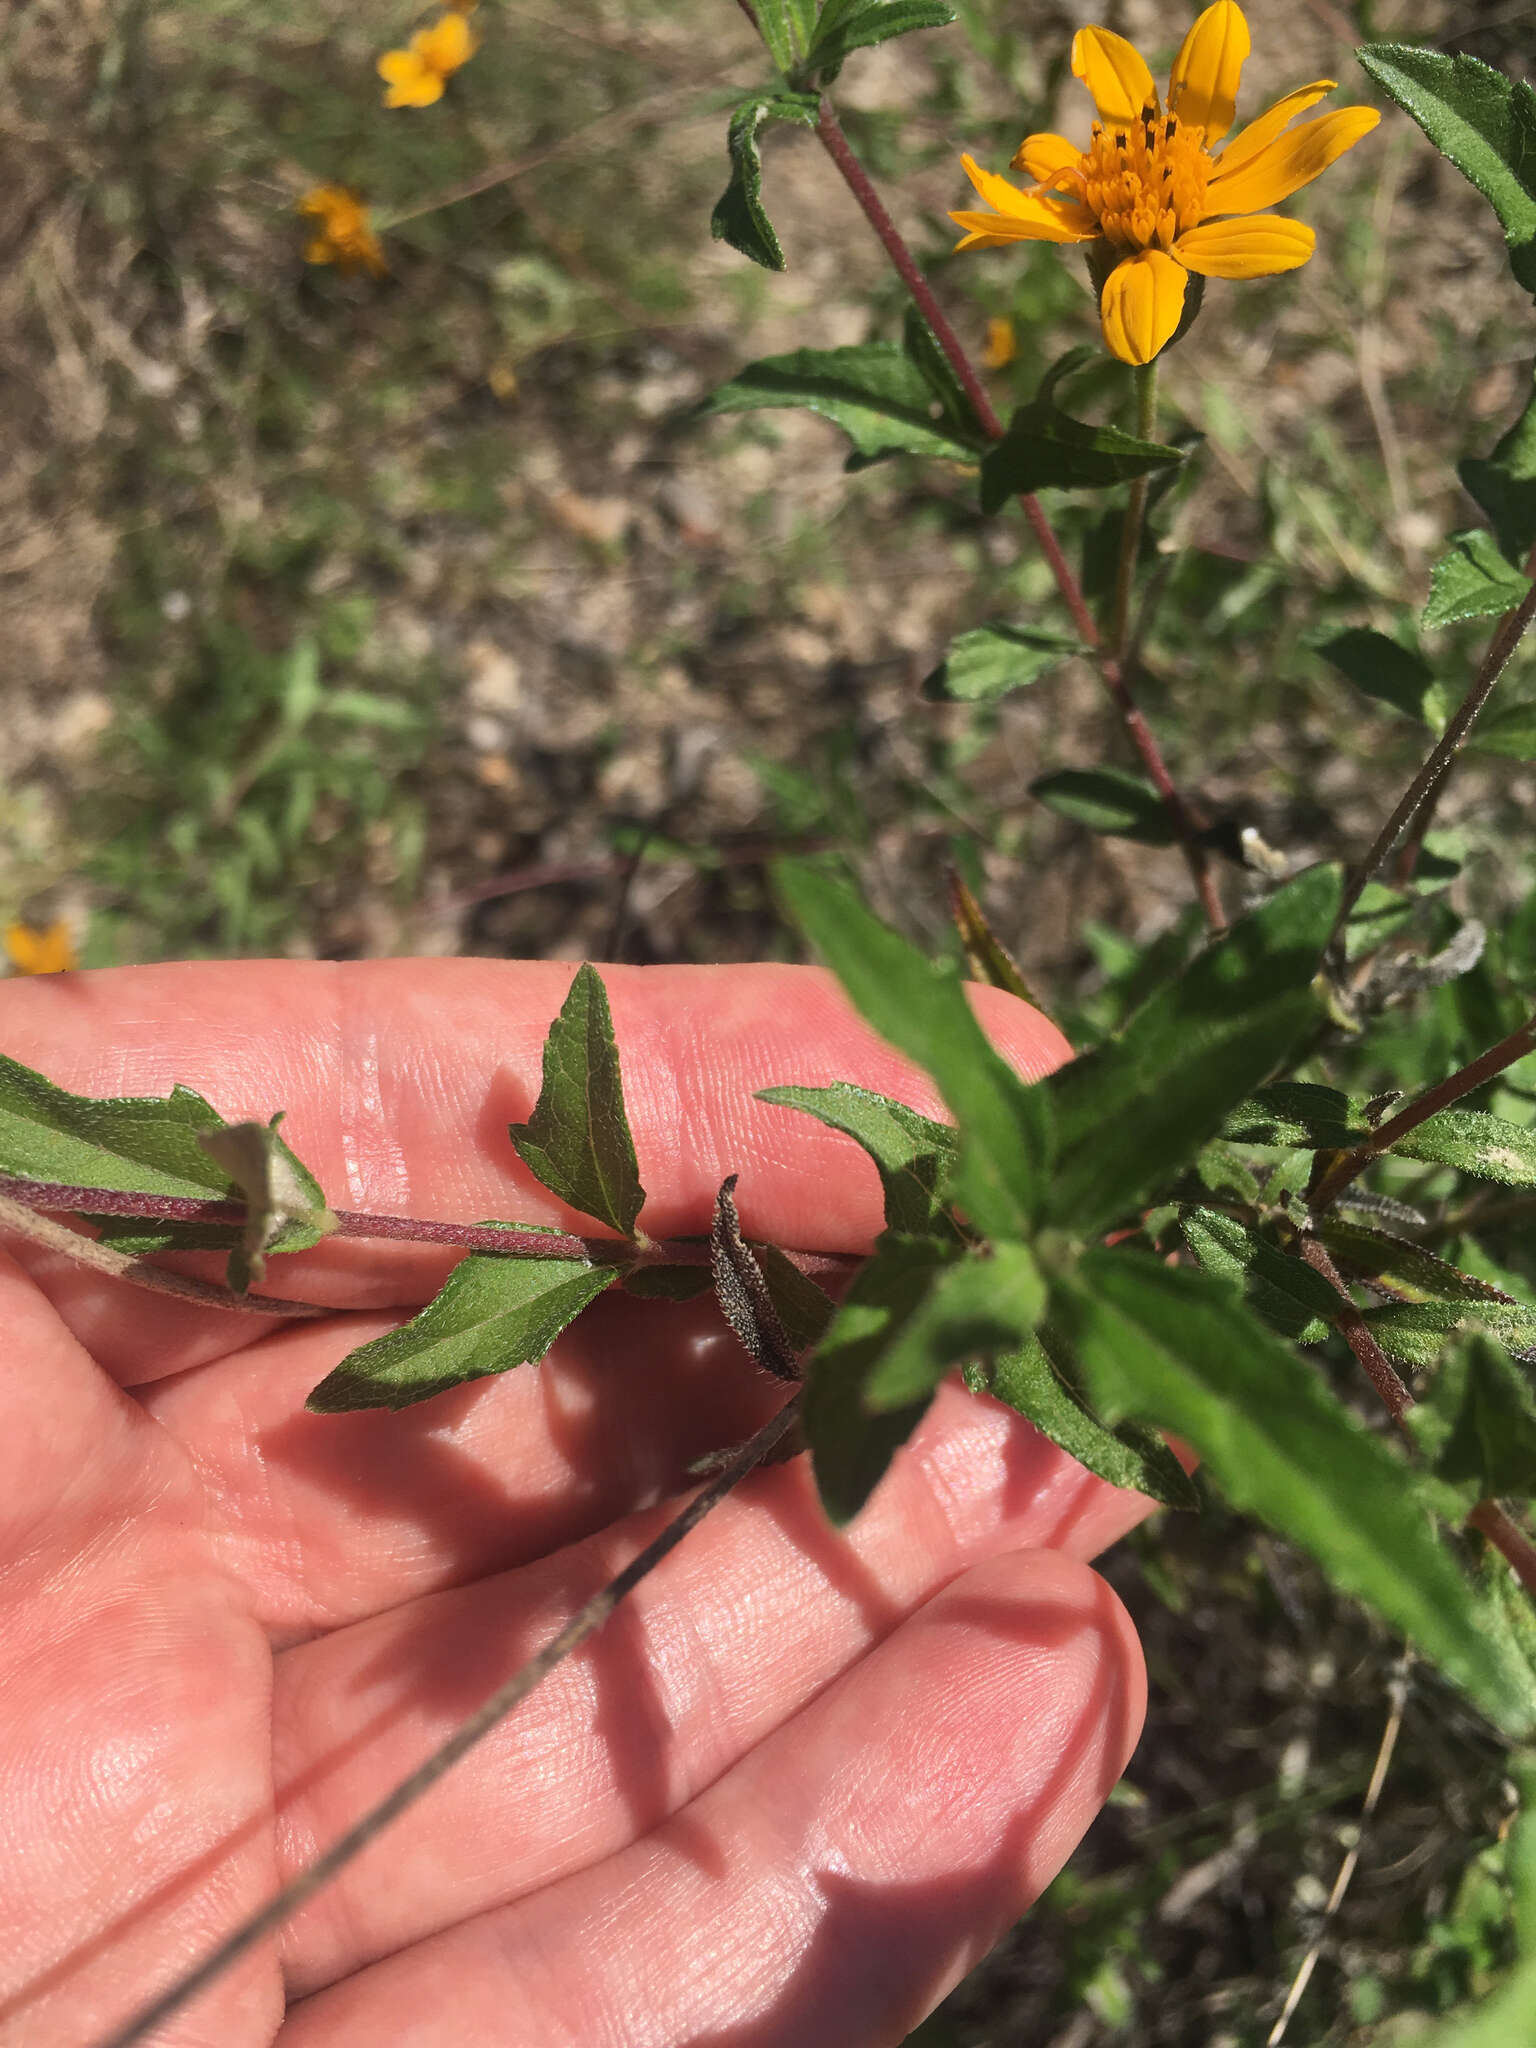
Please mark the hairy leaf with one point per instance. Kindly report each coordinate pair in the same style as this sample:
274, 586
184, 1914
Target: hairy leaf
1109, 801
140, 1144
1296, 1113
804, 1309
921, 1008
848, 25
985, 954
1400, 1266
578, 1141
1281, 1289
788, 27
875, 393
916, 1309
1490, 1147
1133, 1112
1129, 1455
1416, 1332
1509, 729
740, 216
1482, 121
1472, 580
990, 661
743, 1294
1046, 449
491, 1313
1175, 1348
912, 1152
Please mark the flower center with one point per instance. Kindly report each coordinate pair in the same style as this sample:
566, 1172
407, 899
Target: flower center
1146, 182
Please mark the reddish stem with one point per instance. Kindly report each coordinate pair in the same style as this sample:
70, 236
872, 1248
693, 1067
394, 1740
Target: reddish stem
835, 142
1509, 1539
1423, 793
1430, 1103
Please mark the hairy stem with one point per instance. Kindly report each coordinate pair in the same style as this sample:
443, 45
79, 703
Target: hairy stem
1145, 380
1423, 793
591, 1617
1430, 1103
1105, 659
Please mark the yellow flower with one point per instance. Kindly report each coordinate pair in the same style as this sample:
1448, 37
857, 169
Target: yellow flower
1153, 193
344, 236
415, 76
1002, 344
31, 951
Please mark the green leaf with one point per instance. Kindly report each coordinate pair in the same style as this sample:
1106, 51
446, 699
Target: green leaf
875, 393
848, 25
284, 1208
921, 345
788, 27
146, 1145
1472, 580
1506, 2016
805, 1309
1417, 1332
912, 1152
1296, 1113
1175, 1348
1490, 1147
1400, 1266
1382, 668
1504, 484
921, 1008
1487, 1423
577, 1141
1108, 801
985, 954
1284, 1291
1482, 121
1133, 1112
1045, 448
989, 661
915, 1310
491, 1313
740, 217
1129, 1455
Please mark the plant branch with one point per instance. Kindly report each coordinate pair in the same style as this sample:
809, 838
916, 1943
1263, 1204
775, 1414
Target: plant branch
591, 1617
1423, 793
1430, 1103
24, 1219
1111, 669
1509, 1539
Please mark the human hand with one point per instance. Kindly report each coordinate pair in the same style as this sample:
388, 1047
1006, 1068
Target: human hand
795, 1788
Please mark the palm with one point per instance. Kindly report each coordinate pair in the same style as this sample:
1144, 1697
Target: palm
786, 1797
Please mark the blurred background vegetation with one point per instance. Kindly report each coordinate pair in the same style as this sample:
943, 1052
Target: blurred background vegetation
350, 616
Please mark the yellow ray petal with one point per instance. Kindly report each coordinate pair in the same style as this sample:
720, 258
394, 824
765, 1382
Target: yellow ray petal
1256, 247
1042, 156
1141, 305
446, 45
1247, 142
1115, 73
991, 230
1202, 87
1286, 164
1044, 220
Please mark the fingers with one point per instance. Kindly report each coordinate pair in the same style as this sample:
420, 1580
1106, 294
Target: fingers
135, 1718
400, 1078
834, 1883
744, 1624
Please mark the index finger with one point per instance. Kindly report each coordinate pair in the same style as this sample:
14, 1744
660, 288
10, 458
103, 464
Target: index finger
400, 1077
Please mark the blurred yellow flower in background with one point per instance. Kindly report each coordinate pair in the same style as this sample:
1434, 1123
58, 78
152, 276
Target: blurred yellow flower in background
416, 75
1002, 344
1149, 195
31, 951
344, 236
